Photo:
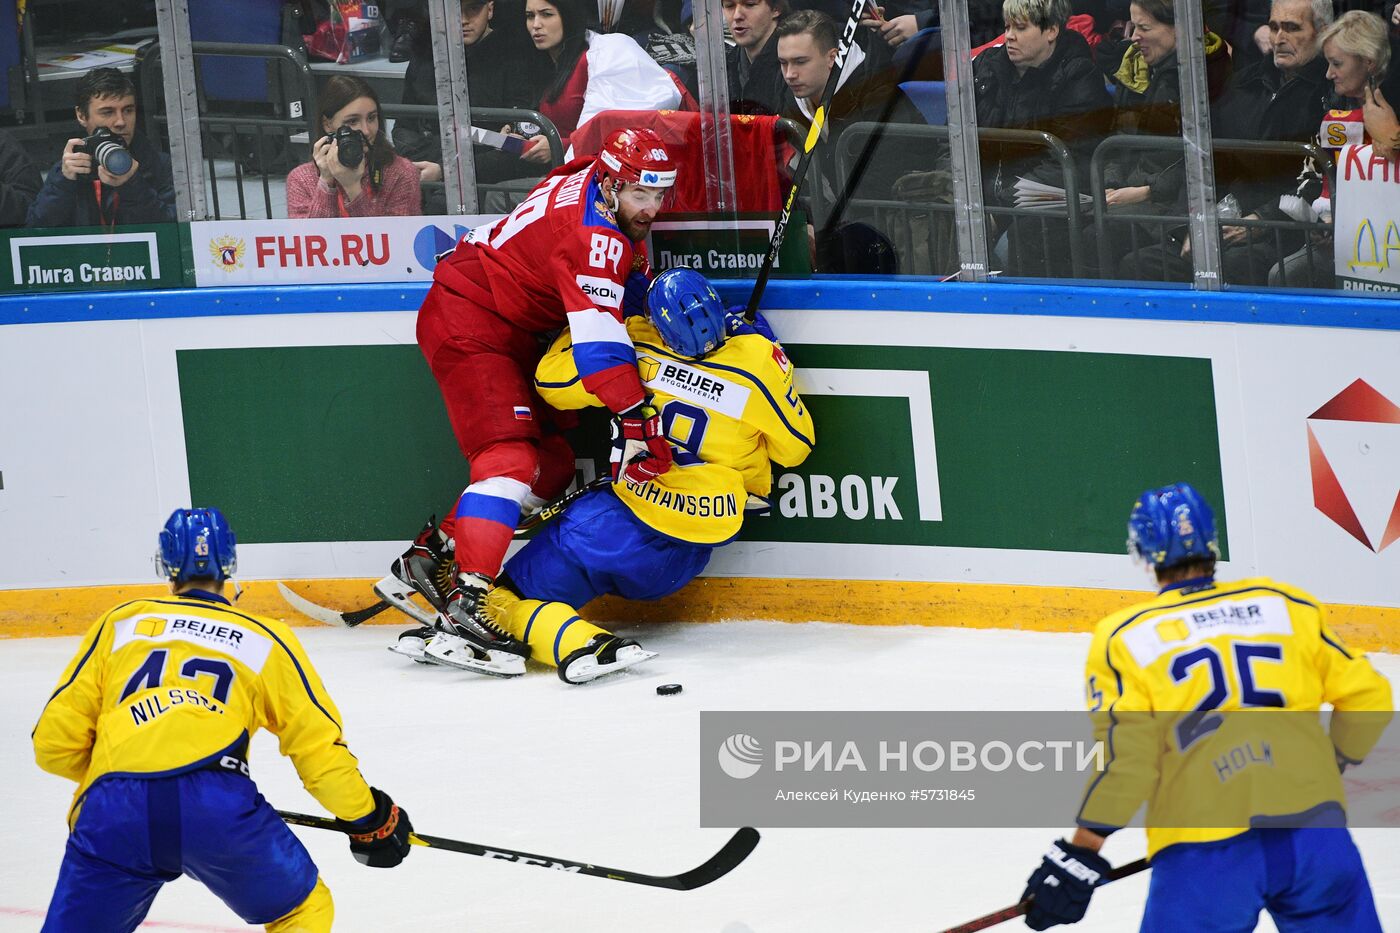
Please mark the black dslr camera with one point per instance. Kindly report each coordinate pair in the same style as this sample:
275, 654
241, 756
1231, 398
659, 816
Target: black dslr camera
108, 150
350, 146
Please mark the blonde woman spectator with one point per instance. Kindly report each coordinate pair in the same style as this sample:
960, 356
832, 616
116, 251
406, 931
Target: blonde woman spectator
354, 171
1357, 51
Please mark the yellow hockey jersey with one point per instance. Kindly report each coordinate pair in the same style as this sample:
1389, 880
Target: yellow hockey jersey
164, 686
726, 416
1206, 698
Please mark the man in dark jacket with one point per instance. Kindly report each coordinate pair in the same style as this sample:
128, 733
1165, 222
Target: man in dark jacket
81, 193
1042, 78
19, 182
755, 80
806, 42
1282, 97
493, 80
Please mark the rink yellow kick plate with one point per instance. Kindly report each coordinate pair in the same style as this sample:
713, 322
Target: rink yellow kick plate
27, 613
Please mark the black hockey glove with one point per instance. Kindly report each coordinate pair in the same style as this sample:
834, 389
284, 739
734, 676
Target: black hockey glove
380, 840
1062, 885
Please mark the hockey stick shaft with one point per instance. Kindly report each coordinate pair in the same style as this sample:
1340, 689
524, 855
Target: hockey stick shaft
814, 135
354, 617
717, 866
1021, 909
867, 152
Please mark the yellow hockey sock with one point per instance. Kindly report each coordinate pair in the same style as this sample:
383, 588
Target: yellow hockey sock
552, 630
313, 915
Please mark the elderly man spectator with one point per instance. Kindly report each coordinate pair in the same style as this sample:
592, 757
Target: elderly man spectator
1282, 97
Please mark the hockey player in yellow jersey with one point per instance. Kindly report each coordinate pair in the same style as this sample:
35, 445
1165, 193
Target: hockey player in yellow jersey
728, 406
1207, 699
152, 719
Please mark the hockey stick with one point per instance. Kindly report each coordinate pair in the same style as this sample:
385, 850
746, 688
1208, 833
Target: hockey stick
814, 135
354, 617
867, 152
716, 866
1019, 910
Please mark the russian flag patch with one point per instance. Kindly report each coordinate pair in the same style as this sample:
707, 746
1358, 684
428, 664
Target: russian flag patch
523, 413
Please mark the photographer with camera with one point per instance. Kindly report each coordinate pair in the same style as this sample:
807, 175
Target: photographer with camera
110, 175
354, 171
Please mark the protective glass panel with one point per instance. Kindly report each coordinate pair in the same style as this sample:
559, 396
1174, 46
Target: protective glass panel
82, 152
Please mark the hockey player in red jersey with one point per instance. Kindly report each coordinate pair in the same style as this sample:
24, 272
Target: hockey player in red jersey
570, 254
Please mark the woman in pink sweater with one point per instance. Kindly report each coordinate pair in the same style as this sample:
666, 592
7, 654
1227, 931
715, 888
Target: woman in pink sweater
354, 171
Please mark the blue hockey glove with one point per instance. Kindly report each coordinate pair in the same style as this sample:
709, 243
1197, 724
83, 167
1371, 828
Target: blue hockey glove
736, 325
380, 840
1061, 887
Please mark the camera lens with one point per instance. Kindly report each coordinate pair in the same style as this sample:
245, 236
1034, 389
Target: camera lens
109, 151
350, 147
113, 156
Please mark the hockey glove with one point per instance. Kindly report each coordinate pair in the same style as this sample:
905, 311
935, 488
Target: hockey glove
736, 325
380, 840
640, 452
1061, 887
634, 294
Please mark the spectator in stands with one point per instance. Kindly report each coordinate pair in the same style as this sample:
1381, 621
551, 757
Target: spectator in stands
1042, 78
1143, 69
587, 72
493, 80
1381, 122
1357, 53
80, 193
360, 176
19, 182
806, 45
1282, 97
755, 80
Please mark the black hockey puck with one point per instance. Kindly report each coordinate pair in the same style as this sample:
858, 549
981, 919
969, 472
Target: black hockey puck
666, 690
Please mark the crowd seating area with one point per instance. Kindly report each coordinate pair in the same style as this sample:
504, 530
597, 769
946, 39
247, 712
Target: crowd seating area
1087, 120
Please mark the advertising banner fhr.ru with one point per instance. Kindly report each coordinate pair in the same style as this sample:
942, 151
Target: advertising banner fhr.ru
339, 250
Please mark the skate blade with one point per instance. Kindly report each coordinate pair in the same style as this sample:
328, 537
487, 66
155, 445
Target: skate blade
587, 668
454, 651
411, 648
399, 595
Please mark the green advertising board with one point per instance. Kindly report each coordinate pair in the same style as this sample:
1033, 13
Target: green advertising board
975, 448
728, 248
94, 259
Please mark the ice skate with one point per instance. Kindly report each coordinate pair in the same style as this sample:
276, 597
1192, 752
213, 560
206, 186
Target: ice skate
603, 655
412, 642
425, 568
467, 638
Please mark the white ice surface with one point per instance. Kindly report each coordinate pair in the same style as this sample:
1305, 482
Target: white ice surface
609, 773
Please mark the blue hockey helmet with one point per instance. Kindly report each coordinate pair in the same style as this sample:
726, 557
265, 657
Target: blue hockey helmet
687, 311
1171, 526
196, 543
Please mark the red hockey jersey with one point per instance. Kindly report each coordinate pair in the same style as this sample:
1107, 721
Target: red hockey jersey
558, 259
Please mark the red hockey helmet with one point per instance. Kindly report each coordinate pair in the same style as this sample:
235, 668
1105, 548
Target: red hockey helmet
638, 156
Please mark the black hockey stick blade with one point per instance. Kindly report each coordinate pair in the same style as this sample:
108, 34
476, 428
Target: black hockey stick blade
1021, 909
717, 866
354, 617
330, 616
